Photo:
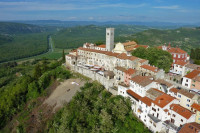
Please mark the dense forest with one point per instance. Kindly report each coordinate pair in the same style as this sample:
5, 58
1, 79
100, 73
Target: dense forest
24, 45
157, 57
25, 82
95, 110
195, 55
75, 36
185, 38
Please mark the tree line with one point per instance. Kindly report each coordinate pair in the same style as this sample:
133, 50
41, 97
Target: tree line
157, 57
29, 86
96, 110
195, 55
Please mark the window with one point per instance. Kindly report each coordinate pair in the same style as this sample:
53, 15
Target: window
178, 56
174, 115
188, 100
187, 105
174, 55
186, 84
153, 109
179, 95
186, 80
107, 33
181, 120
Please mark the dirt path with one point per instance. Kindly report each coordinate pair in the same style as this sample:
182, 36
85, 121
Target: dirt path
64, 93
60, 94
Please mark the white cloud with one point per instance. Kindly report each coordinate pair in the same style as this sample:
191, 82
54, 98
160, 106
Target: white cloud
39, 6
168, 7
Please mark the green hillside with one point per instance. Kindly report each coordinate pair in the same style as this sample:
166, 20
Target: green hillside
18, 28
185, 38
76, 36
21, 46
22, 40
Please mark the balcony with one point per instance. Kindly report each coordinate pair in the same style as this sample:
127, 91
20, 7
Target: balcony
170, 125
155, 119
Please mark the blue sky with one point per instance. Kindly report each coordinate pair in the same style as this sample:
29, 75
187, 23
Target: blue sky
186, 11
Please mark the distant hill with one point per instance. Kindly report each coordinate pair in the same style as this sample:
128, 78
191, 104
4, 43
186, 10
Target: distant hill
19, 28
58, 23
75, 36
185, 38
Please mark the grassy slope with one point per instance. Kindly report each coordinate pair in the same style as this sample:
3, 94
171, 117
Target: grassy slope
76, 36
185, 38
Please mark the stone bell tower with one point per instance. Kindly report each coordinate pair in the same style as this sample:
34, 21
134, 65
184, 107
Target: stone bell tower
109, 39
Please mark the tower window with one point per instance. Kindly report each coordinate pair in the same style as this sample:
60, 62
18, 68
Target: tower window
107, 33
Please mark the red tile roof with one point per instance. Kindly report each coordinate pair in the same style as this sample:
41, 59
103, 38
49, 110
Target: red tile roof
102, 46
181, 110
196, 106
175, 90
192, 127
181, 63
163, 100
146, 100
192, 74
142, 61
130, 71
130, 43
142, 80
166, 110
176, 50
151, 68
134, 95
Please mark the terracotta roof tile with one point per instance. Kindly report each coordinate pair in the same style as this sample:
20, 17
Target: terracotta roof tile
196, 106
134, 95
192, 74
192, 127
151, 68
102, 46
175, 90
181, 110
142, 61
146, 100
163, 100
142, 80
181, 63
130, 71
186, 93
166, 110
129, 43
176, 50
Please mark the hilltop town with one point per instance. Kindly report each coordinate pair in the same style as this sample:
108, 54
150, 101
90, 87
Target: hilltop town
163, 101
